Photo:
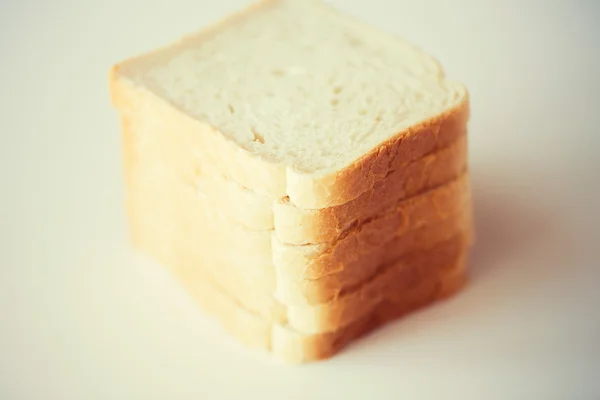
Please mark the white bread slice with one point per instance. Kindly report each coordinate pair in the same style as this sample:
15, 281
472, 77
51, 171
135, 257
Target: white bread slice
162, 150
291, 346
365, 266
324, 106
445, 206
391, 281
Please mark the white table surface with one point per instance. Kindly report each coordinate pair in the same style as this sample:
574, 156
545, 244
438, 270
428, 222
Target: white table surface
83, 317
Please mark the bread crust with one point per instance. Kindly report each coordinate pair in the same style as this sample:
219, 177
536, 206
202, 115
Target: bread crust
391, 283
367, 265
445, 209
293, 347
295, 225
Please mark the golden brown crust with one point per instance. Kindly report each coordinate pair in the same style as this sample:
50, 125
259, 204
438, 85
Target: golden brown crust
369, 265
391, 283
295, 225
293, 347
451, 201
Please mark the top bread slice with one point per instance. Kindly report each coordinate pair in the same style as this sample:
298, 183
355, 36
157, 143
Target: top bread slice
296, 101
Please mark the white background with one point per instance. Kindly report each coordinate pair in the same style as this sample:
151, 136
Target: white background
83, 317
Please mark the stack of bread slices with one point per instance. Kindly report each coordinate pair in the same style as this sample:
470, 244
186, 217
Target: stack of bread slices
303, 174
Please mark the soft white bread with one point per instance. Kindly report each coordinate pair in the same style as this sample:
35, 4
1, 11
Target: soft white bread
324, 106
292, 346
